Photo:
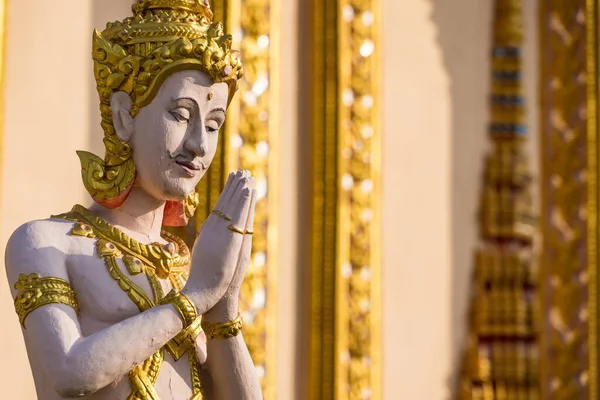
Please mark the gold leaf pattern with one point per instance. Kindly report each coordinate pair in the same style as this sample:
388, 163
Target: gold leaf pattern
346, 265
568, 182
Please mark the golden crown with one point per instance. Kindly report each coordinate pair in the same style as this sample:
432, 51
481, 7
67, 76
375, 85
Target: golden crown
135, 56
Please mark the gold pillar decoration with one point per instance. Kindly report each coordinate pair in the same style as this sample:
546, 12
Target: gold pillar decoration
569, 196
346, 261
249, 141
501, 360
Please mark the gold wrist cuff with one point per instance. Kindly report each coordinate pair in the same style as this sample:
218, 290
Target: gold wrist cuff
35, 292
183, 305
223, 330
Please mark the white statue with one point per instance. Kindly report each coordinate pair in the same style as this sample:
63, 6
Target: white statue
111, 307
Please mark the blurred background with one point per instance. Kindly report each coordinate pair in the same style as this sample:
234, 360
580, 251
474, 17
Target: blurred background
402, 150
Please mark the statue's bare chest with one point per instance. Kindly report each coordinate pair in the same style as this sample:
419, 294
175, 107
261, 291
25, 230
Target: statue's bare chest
102, 297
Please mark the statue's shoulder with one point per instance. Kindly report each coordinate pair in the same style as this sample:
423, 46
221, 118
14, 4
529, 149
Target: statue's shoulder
39, 246
39, 233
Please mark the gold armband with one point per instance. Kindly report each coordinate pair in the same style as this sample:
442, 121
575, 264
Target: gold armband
35, 292
183, 305
223, 330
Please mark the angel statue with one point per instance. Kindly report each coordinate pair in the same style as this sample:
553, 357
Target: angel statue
111, 305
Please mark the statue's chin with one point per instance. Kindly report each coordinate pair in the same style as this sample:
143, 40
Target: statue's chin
177, 196
173, 190
178, 189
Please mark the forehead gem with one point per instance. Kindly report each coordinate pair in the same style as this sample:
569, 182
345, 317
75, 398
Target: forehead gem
210, 95
86, 227
110, 246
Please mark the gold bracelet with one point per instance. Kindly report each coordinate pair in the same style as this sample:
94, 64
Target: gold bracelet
183, 305
35, 292
223, 330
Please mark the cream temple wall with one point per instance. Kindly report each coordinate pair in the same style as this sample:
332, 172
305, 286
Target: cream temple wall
436, 85
435, 114
46, 120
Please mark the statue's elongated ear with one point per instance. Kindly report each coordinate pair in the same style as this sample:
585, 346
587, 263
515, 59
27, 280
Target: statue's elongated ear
120, 104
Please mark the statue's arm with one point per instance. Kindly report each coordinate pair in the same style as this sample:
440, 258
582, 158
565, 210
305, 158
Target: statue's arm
75, 364
231, 371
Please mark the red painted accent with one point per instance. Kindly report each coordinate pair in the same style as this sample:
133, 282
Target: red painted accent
174, 214
117, 201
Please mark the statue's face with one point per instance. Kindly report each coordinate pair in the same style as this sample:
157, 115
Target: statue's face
175, 137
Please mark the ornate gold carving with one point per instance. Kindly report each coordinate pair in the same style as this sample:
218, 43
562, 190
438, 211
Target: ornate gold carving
35, 292
593, 91
143, 378
134, 265
135, 56
345, 343
197, 387
501, 359
569, 93
190, 204
185, 340
192, 6
250, 142
178, 281
183, 305
81, 229
164, 260
223, 330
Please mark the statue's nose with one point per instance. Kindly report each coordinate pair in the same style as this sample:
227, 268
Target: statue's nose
197, 142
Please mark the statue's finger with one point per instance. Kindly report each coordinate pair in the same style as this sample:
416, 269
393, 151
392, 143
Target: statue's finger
239, 212
229, 191
225, 192
212, 221
241, 180
250, 221
247, 242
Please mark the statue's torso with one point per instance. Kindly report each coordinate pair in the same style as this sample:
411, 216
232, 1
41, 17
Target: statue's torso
102, 304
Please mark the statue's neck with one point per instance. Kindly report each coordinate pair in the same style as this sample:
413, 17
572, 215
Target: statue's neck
140, 216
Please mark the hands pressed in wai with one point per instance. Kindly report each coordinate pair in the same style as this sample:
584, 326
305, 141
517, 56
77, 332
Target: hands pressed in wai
222, 251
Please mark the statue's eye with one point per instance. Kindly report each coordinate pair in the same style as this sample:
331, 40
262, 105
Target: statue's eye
212, 127
181, 115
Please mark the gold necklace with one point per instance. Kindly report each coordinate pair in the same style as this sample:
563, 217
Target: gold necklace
165, 260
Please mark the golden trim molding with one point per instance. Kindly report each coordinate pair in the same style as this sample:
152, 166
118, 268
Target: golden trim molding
569, 193
346, 256
592, 35
249, 141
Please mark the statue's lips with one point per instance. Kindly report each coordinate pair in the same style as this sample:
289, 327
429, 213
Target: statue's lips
189, 167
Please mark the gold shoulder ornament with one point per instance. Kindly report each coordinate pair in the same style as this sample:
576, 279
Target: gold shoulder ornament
35, 292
